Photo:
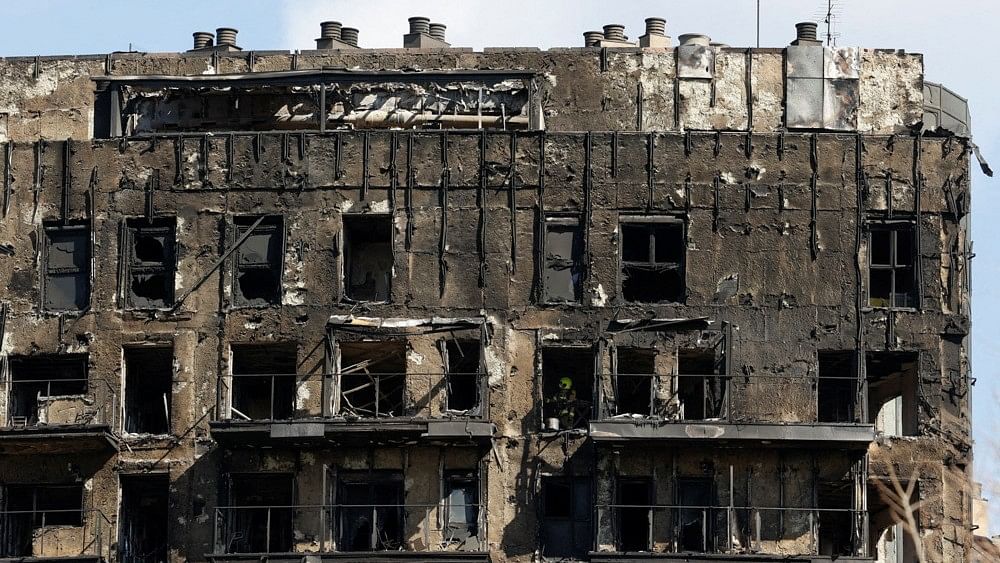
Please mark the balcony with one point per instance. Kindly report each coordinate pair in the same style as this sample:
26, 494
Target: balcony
357, 407
59, 415
55, 535
720, 408
442, 532
730, 533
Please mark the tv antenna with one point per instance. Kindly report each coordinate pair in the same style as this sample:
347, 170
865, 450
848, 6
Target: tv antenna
831, 16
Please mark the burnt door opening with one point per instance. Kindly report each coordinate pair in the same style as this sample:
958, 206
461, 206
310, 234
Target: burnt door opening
260, 514
264, 380
700, 390
368, 257
258, 262
370, 512
837, 388
142, 536
835, 517
652, 260
373, 379
461, 505
149, 373
36, 379
27, 508
694, 524
634, 381
463, 376
566, 517
567, 387
634, 499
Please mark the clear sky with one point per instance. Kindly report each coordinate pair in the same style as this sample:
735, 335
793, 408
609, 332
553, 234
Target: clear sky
955, 37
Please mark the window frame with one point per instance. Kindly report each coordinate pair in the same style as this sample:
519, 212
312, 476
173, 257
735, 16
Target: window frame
649, 223
81, 229
134, 227
273, 223
893, 226
571, 482
36, 511
579, 265
344, 246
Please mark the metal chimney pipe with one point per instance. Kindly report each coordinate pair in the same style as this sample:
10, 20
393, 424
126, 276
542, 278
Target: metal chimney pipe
592, 38
694, 39
437, 31
226, 36
656, 26
330, 30
614, 32
349, 35
420, 24
203, 39
805, 31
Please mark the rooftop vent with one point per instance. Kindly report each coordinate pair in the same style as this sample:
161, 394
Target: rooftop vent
656, 33
612, 36
698, 39
349, 35
805, 34
331, 36
226, 36
592, 38
425, 35
203, 40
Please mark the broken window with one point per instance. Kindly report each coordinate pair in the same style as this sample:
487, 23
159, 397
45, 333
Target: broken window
695, 522
38, 381
260, 514
634, 380
149, 373
373, 379
368, 257
835, 517
463, 376
891, 275
66, 263
652, 260
257, 272
700, 389
635, 499
29, 507
149, 263
461, 505
370, 511
837, 387
567, 387
264, 379
892, 392
142, 536
564, 261
566, 517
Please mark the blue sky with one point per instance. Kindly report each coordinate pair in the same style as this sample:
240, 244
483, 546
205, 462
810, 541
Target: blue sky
955, 37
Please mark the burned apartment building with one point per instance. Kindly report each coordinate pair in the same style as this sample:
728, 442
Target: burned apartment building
620, 302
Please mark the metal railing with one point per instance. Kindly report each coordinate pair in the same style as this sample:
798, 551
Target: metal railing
731, 530
28, 401
348, 528
275, 396
55, 533
686, 397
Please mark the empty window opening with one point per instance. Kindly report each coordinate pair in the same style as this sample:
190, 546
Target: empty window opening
463, 375
888, 534
461, 503
701, 392
30, 507
149, 373
257, 273
567, 387
891, 250
892, 392
260, 516
634, 499
695, 521
66, 263
142, 536
835, 521
368, 257
373, 379
634, 381
150, 263
566, 517
264, 379
39, 381
652, 261
564, 262
370, 512
837, 387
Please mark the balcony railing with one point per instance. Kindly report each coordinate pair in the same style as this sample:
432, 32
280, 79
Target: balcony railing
46, 402
348, 528
737, 399
272, 396
55, 533
731, 530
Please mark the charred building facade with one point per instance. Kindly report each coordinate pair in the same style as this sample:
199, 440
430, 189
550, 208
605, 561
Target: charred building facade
629, 301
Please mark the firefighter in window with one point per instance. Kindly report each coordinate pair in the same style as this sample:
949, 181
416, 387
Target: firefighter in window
564, 404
